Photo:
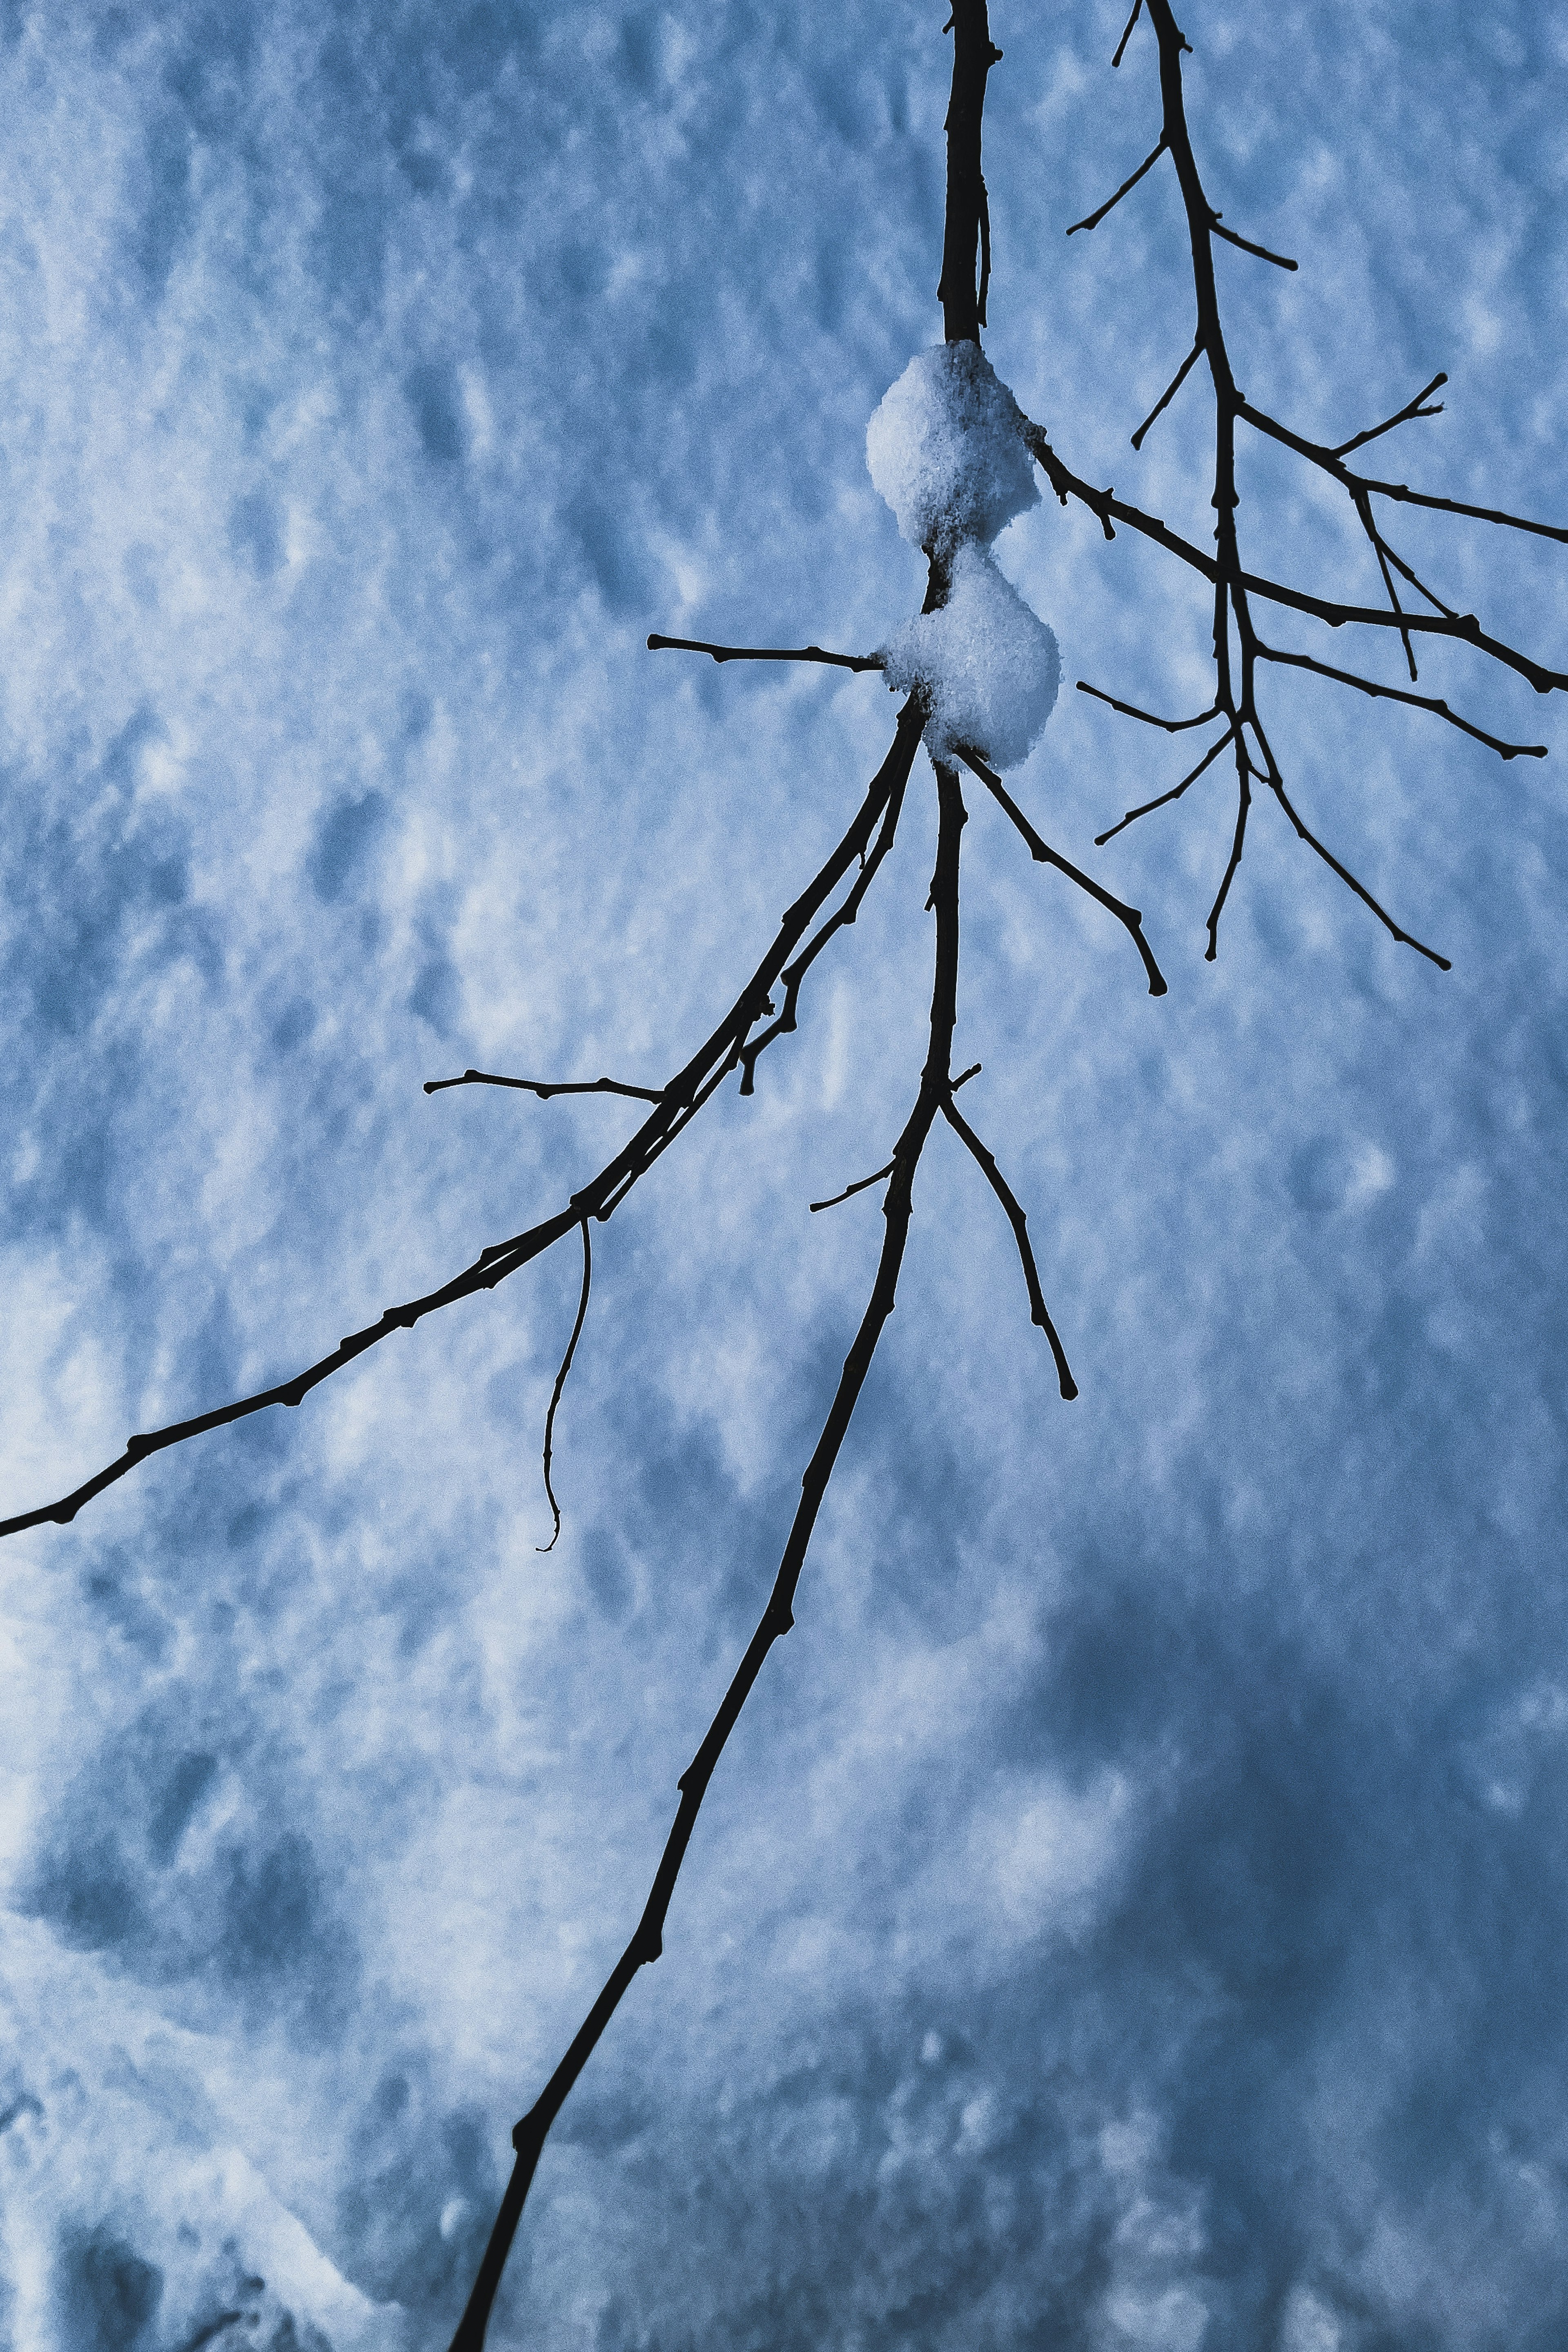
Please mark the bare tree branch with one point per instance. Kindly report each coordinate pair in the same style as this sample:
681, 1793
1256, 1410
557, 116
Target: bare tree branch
765, 653
648, 1938
1042, 852
1131, 710
561, 1382
1038, 1312
850, 1189
1177, 381
1401, 417
1398, 693
1174, 794
545, 1087
1127, 33
674, 1106
1246, 245
1094, 218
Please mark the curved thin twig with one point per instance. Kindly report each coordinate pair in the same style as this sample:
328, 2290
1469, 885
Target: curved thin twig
561, 1382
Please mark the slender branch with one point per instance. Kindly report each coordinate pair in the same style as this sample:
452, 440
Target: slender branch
1404, 939
1238, 842
1094, 219
1174, 794
1044, 854
648, 1938
545, 1087
850, 1189
1399, 694
1327, 461
1246, 245
794, 973
1127, 32
1401, 417
1038, 1312
561, 1382
676, 1106
1131, 710
765, 653
1110, 510
1177, 381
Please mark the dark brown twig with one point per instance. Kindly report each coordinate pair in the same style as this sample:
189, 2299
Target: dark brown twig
1399, 694
765, 653
561, 1382
1092, 220
546, 1087
1177, 381
850, 1191
1127, 32
1174, 794
1245, 244
1401, 417
1041, 851
1131, 710
1038, 1312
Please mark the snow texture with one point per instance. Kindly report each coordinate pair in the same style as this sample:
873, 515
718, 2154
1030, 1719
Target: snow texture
945, 450
990, 668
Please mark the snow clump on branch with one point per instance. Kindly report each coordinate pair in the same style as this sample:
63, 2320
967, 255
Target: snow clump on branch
946, 451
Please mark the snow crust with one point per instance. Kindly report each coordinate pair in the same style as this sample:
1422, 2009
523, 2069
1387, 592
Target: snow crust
946, 450
989, 667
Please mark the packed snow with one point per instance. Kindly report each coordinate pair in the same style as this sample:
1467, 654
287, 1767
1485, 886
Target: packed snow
946, 451
989, 667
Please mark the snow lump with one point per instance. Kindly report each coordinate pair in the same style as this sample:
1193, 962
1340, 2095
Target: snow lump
946, 450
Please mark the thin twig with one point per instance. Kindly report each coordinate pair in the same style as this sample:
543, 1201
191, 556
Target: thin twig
1405, 938
1038, 1312
1244, 244
765, 653
1174, 794
1329, 461
1239, 841
1131, 710
1401, 417
1399, 694
1177, 381
1127, 32
850, 1189
1044, 854
561, 1382
1094, 218
545, 1087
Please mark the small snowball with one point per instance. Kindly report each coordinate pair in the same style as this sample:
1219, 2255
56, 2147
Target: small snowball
946, 449
989, 667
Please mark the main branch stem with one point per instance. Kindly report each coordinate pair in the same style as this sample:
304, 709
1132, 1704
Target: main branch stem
648, 1938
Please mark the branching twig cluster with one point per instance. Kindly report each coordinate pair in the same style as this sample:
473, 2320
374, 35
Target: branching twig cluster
1240, 650
767, 1007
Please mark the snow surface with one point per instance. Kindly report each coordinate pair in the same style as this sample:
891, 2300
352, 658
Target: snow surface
989, 666
946, 451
